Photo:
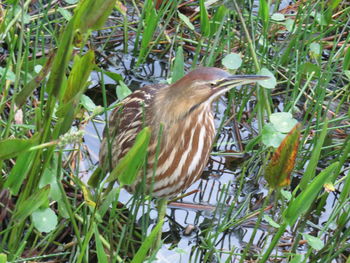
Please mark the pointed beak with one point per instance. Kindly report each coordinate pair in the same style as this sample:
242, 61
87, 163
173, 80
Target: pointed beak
237, 80
232, 81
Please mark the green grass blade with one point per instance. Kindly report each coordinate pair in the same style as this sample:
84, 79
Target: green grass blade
60, 63
304, 200
12, 147
101, 254
205, 27
19, 171
311, 168
3, 258
217, 19
92, 14
346, 62
27, 207
151, 21
79, 75
34, 83
179, 68
128, 167
147, 244
264, 12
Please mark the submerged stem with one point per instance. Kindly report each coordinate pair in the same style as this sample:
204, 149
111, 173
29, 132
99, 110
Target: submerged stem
162, 205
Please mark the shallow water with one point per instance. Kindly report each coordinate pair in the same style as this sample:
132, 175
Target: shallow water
201, 204
196, 209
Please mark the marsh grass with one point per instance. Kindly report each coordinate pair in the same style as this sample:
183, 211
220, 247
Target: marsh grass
48, 54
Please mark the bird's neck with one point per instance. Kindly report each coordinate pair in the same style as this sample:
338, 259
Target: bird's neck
171, 107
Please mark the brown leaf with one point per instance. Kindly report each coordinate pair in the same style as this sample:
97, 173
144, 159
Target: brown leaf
281, 165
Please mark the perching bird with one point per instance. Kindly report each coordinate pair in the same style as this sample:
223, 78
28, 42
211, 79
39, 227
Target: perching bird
184, 111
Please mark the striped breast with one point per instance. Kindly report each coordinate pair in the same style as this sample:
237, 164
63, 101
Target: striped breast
184, 147
184, 153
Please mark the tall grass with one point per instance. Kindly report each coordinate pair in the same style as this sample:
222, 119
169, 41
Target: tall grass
49, 53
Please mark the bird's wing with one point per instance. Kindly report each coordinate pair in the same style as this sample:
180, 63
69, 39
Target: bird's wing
125, 122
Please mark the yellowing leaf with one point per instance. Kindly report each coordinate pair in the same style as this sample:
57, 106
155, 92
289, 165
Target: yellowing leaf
278, 170
87, 197
329, 187
121, 8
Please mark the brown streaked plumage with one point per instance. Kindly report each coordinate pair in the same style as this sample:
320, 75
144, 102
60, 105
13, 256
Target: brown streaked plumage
184, 110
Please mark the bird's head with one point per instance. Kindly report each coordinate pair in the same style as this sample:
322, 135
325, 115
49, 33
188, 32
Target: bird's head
200, 86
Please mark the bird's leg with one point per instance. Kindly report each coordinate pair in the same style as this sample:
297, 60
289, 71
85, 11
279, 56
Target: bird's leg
162, 205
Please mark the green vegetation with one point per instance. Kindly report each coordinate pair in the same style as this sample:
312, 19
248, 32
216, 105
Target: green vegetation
51, 51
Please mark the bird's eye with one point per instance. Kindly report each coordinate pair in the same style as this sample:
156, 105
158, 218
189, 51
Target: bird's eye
212, 85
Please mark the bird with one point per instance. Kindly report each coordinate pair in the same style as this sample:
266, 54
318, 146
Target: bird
184, 111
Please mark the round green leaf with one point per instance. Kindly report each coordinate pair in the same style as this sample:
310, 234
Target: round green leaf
283, 121
87, 103
9, 74
297, 259
278, 17
44, 220
232, 61
38, 68
289, 25
314, 242
347, 72
122, 90
49, 178
315, 50
268, 83
271, 137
